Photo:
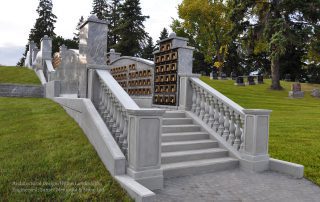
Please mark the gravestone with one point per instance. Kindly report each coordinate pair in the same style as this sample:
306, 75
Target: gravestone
260, 79
287, 77
296, 91
315, 93
239, 81
251, 80
223, 76
233, 76
214, 75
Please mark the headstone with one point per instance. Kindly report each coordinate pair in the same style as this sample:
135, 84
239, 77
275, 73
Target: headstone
214, 75
233, 76
251, 80
296, 91
287, 77
211, 75
315, 93
239, 81
260, 79
223, 76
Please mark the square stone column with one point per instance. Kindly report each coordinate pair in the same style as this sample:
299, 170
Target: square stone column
92, 49
144, 147
185, 91
46, 48
254, 151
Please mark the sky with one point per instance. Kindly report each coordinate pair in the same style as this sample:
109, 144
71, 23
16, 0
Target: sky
17, 17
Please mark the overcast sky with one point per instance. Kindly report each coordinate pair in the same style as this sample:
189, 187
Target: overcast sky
17, 17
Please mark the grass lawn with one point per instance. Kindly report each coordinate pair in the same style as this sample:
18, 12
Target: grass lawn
294, 124
18, 75
45, 155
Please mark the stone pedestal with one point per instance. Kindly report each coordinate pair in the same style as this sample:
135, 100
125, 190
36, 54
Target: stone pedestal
254, 150
185, 91
296, 91
144, 149
315, 93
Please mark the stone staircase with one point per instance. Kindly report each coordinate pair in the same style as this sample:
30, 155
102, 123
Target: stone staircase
188, 150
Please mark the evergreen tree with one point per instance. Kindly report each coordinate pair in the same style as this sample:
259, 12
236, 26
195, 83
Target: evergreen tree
131, 29
100, 9
164, 34
114, 18
147, 51
77, 33
44, 25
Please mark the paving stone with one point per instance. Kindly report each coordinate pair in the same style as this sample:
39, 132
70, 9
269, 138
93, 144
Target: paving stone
237, 185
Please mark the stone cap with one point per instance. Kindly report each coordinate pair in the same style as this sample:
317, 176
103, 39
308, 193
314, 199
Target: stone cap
173, 35
257, 111
146, 112
93, 18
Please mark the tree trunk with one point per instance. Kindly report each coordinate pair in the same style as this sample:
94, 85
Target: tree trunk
275, 66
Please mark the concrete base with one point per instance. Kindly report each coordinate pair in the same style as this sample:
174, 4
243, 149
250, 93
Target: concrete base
152, 179
293, 94
52, 89
293, 169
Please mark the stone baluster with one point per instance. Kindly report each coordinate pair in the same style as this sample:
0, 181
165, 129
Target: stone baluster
211, 111
232, 128
216, 115
242, 135
107, 109
117, 131
194, 98
110, 122
221, 119
125, 133
120, 128
206, 107
202, 104
226, 124
198, 102
121, 139
100, 106
112, 114
238, 133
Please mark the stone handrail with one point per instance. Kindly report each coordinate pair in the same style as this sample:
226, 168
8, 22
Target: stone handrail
222, 114
114, 104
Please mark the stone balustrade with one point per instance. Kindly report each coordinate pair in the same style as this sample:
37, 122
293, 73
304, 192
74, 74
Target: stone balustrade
223, 115
244, 130
131, 126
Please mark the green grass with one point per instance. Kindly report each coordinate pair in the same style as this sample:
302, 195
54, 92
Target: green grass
41, 144
294, 123
18, 75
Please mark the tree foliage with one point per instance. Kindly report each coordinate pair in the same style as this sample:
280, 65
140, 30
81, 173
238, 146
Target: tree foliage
164, 34
100, 9
44, 26
130, 29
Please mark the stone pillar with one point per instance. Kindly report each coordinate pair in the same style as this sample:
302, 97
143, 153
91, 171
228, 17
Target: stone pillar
112, 56
92, 49
46, 48
32, 46
256, 137
144, 149
62, 49
34, 54
185, 91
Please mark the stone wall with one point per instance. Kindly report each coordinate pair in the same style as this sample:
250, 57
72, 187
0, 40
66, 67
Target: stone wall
15, 90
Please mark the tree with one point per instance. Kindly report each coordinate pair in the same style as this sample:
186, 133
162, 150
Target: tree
147, 51
164, 34
208, 23
279, 26
131, 29
114, 18
100, 9
77, 33
44, 25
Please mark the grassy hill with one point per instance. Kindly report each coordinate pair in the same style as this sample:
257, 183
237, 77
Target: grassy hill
18, 75
45, 155
294, 125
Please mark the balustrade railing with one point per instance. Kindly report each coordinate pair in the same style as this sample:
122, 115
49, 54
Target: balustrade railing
219, 112
113, 105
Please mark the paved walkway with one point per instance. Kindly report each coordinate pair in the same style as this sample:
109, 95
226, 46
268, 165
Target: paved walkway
236, 185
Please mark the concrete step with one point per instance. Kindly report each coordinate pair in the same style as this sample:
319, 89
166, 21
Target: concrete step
177, 121
171, 137
174, 114
188, 145
180, 128
192, 155
199, 166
